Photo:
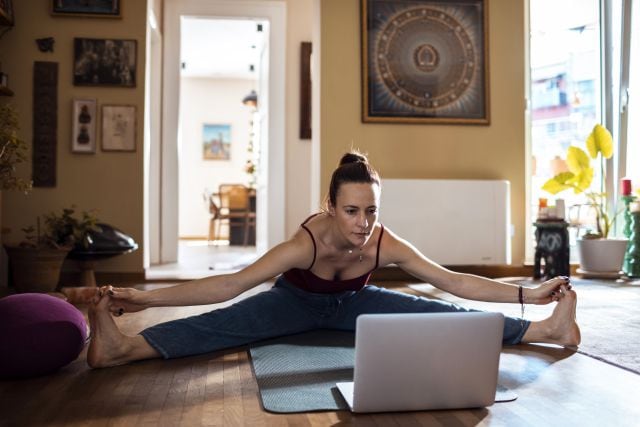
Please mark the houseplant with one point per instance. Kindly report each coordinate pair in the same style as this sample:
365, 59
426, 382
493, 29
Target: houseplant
597, 252
37, 260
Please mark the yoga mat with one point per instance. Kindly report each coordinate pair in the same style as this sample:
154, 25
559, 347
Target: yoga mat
298, 373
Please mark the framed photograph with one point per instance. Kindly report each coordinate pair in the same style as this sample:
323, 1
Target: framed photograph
425, 61
104, 62
90, 8
216, 142
83, 135
118, 128
6, 13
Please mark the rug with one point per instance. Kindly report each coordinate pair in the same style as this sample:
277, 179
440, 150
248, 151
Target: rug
608, 313
298, 373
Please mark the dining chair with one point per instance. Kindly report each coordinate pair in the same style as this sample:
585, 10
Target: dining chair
234, 210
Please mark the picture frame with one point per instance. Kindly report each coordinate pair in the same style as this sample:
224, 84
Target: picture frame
216, 141
118, 128
425, 61
305, 90
83, 119
6, 13
104, 62
86, 8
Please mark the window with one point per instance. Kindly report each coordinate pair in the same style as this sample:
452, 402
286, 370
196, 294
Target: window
633, 129
569, 43
564, 90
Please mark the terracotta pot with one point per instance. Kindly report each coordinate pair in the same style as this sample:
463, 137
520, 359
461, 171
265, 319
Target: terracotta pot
35, 270
601, 255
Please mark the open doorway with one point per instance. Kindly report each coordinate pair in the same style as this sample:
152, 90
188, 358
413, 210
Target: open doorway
219, 141
270, 123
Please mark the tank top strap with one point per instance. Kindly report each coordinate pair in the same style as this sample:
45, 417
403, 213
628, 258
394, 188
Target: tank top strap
313, 240
378, 249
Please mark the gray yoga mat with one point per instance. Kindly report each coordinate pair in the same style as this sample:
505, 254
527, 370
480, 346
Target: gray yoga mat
298, 373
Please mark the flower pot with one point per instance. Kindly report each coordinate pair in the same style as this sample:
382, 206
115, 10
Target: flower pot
35, 270
601, 255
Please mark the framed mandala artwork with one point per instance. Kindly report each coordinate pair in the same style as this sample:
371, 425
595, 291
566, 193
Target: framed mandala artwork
425, 61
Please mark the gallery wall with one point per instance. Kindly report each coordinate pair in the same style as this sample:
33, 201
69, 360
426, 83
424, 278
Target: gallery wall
109, 182
112, 183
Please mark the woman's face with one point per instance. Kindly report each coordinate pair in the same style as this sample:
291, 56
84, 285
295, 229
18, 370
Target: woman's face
356, 211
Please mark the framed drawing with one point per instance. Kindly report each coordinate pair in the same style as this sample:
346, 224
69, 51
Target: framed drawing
90, 8
83, 135
6, 13
118, 128
104, 62
216, 142
425, 61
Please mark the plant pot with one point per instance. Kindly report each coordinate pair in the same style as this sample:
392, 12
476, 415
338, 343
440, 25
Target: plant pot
35, 269
601, 255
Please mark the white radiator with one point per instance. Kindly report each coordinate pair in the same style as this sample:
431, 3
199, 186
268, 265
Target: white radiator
452, 222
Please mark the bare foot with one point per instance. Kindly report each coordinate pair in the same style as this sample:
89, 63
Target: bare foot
560, 328
108, 346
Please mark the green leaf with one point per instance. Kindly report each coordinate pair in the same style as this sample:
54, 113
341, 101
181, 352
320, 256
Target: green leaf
600, 141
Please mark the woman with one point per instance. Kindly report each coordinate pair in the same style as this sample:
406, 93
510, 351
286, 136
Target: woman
324, 269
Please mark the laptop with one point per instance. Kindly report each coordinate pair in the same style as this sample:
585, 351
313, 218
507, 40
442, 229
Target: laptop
423, 361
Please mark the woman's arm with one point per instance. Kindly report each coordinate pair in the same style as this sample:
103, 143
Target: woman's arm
469, 286
293, 253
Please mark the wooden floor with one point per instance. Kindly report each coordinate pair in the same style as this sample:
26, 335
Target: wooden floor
556, 387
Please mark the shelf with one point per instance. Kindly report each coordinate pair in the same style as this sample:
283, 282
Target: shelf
5, 91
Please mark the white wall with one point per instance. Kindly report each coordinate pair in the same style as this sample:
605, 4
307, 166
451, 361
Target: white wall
211, 101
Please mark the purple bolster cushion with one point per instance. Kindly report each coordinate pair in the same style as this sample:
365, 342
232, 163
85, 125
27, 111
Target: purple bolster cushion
38, 335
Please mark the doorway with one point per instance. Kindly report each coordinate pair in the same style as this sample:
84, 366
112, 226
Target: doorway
269, 181
219, 138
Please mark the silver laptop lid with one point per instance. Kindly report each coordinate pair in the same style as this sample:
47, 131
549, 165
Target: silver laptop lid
422, 361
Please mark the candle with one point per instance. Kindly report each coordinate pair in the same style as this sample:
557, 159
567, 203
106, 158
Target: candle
625, 185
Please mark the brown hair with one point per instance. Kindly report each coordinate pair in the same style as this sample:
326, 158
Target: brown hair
353, 167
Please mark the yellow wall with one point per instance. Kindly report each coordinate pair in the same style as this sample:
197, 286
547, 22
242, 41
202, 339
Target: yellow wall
111, 183
496, 151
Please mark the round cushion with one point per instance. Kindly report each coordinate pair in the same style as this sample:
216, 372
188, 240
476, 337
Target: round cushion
39, 334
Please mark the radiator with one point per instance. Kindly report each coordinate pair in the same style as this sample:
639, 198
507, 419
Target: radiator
452, 222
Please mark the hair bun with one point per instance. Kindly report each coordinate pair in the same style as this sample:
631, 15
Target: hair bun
353, 157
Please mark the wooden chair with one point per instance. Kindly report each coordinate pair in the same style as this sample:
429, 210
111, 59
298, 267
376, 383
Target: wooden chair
234, 209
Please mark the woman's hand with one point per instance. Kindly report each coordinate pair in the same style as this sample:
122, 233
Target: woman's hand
549, 291
124, 300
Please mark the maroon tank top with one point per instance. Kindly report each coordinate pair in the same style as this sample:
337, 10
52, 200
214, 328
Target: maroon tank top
306, 280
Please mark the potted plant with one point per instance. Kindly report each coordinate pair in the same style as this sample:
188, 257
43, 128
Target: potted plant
597, 252
37, 260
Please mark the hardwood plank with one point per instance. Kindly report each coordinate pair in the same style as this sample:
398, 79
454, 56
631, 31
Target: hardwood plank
232, 391
251, 406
